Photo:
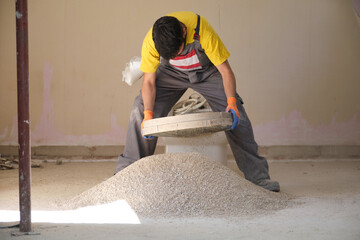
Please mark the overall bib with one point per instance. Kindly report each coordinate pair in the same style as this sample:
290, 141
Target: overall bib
193, 69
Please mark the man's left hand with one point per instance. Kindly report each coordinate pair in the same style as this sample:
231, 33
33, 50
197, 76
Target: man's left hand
234, 111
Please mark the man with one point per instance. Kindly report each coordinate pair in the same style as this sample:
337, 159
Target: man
183, 51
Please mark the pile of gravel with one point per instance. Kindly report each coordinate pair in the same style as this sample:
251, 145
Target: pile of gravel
182, 185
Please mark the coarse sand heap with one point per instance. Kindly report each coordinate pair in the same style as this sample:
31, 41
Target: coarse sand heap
182, 185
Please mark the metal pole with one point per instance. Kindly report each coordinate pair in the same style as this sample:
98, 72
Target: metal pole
23, 115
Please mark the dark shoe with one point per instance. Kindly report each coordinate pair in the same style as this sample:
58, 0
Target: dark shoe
269, 185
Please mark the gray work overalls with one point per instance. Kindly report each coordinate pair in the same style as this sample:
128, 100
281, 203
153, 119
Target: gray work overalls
171, 83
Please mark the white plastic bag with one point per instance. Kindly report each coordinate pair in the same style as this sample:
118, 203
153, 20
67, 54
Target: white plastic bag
132, 71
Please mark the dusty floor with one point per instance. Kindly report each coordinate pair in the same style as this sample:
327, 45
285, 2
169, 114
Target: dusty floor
329, 191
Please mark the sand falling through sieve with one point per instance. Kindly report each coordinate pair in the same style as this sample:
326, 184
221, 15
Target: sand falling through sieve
195, 132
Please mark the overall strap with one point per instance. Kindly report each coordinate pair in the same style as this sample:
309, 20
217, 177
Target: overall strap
197, 29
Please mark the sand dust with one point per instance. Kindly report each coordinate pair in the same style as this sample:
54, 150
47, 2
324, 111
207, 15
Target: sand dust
182, 185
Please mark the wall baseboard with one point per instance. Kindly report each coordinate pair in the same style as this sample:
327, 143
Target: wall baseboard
310, 151
270, 152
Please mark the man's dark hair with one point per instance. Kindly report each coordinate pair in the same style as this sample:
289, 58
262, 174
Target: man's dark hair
168, 36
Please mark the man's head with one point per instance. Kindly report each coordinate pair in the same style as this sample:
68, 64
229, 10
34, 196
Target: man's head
169, 36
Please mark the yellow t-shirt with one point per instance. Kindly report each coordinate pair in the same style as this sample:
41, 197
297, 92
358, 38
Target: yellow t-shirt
209, 40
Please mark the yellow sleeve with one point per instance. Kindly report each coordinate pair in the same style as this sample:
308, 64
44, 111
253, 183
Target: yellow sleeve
212, 44
150, 58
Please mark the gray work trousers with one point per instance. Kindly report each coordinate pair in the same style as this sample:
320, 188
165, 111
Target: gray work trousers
170, 86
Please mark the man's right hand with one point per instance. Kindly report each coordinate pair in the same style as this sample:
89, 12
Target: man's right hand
147, 116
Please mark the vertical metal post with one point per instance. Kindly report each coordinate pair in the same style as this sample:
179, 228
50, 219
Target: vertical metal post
23, 115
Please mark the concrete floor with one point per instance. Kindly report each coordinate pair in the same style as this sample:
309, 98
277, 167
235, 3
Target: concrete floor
328, 190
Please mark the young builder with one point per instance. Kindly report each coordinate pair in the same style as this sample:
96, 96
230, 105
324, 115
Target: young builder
183, 51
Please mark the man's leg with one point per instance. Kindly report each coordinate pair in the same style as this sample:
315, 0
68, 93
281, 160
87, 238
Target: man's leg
241, 140
168, 92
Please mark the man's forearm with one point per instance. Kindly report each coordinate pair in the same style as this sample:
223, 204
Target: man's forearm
229, 85
148, 91
228, 77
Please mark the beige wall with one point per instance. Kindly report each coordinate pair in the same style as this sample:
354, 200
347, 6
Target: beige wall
297, 64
